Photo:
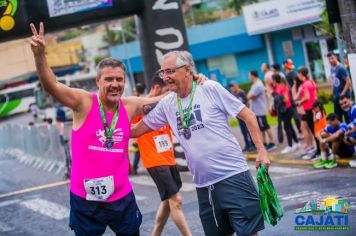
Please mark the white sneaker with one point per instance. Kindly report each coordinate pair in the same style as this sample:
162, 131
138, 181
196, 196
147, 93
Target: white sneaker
295, 146
286, 150
352, 163
307, 157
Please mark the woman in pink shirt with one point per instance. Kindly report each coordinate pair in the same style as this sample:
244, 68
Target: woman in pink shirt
307, 98
281, 89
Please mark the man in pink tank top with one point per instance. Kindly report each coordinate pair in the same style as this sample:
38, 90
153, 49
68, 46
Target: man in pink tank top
100, 192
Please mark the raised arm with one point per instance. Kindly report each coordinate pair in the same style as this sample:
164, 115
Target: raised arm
70, 97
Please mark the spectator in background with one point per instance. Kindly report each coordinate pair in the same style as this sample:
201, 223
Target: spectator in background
267, 78
306, 99
241, 95
319, 115
291, 77
333, 136
276, 69
349, 107
257, 95
286, 113
34, 111
60, 114
341, 84
139, 89
350, 136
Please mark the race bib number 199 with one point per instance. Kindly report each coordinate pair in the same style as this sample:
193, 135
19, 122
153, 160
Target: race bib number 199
163, 143
99, 189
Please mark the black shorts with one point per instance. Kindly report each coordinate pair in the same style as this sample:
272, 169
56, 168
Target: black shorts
234, 207
262, 123
344, 149
167, 180
92, 218
308, 117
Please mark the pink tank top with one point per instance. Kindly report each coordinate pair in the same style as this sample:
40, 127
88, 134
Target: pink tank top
92, 160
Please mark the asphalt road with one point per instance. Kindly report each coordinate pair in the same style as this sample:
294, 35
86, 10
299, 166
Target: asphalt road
45, 211
36, 202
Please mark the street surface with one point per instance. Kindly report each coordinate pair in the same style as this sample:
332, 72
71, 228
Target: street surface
34, 202
45, 211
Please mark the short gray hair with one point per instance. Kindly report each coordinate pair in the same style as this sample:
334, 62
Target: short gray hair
109, 62
183, 58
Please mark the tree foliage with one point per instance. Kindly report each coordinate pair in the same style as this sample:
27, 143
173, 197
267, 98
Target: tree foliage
237, 4
114, 37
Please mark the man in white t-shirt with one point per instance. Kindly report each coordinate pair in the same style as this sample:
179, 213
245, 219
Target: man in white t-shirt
198, 116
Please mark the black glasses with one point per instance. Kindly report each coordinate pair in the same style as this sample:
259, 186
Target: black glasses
169, 71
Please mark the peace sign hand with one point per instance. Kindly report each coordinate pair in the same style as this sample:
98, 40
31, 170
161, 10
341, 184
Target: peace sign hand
38, 44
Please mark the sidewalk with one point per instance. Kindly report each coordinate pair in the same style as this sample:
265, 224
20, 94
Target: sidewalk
275, 156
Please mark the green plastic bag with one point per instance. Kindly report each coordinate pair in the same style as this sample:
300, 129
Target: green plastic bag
271, 209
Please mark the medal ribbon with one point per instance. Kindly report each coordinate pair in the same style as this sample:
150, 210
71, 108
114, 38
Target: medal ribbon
186, 121
108, 131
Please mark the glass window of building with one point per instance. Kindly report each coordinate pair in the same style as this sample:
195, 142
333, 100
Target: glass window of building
226, 64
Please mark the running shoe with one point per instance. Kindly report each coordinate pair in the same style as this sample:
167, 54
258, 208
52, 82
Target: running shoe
295, 146
286, 150
352, 163
307, 157
330, 164
314, 157
308, 150
271, 146
319, 164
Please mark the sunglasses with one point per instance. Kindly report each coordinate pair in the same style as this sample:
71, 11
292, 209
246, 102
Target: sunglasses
169, 71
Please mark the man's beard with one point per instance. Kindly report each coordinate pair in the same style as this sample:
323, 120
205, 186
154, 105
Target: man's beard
346, 109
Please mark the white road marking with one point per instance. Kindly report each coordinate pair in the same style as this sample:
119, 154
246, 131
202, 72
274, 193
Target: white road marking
9, 202
140, 198
296, 195
284, 170
44, 207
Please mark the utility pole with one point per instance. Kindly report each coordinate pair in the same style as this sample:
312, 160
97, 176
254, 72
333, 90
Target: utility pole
348, 20
347, 10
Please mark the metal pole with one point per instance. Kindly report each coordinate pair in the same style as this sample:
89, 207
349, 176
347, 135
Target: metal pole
269, 49
132, 80
339, 43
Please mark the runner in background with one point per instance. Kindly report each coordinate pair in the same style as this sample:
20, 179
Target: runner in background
157, 155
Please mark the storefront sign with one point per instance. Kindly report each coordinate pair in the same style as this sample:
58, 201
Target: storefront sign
280, 14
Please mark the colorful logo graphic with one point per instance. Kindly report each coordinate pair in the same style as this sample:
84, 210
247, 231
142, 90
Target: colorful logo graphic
328, 214
7, 21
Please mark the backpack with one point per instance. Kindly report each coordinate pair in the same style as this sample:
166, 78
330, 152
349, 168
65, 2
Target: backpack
279, 104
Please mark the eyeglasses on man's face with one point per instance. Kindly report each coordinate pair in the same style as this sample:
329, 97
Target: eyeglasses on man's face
168, 71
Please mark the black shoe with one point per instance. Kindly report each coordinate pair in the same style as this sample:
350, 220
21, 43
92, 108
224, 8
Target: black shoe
252, 149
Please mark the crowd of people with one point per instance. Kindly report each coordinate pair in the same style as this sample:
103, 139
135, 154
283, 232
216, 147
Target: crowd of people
291, 96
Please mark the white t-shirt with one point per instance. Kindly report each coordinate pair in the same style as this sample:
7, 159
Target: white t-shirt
212, 152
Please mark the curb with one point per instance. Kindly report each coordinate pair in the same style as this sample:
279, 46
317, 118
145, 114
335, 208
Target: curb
252, 157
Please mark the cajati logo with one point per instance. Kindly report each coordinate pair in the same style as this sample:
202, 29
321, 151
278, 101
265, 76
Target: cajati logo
7, 11
327, 214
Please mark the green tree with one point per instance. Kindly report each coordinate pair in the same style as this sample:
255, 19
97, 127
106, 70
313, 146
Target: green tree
237, 4
114, 37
